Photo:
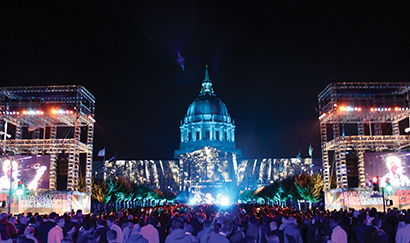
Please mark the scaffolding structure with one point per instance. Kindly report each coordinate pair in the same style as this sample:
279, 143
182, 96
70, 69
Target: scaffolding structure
368, 107
49, 120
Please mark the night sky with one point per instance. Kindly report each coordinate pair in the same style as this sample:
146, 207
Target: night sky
268, 61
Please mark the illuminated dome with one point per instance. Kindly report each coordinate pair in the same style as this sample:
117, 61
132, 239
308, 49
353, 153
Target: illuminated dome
207, 123
207, 107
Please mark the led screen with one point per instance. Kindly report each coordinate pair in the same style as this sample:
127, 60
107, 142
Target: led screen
34, 170
392, 167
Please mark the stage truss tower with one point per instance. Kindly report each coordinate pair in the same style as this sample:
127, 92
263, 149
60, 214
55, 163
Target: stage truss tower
49, 120
377, 112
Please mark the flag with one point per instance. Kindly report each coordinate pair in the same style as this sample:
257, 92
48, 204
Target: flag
299, 157
101, 153
310, 150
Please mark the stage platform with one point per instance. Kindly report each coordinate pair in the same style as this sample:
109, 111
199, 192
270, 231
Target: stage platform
359, 198
45, 202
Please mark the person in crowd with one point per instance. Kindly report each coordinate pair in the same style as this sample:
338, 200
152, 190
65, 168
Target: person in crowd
127, 229
37, 225
47, 226
358, 230
379, 236
150, 232
304, 228
205, 233
273, 239
95, 236
316, 231
4, 237
178, 234
196, 223
112, 236
403, 233
55, 235
21, 225
253, 231
9, 231
111, 223
102, 228
21, 238
237, 235
368, 235
13, 220
29, 233
71, 232
84, 232
188, 231
222, 237
136, 236
338, 235
264, 229
291, 233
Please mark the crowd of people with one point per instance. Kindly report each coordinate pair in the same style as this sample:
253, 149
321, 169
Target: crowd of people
209, 224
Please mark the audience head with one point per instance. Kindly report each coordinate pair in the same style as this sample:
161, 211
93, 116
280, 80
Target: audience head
52, 217
21, 238
273, 239
273, 225
188, 228
376, 222
111, 235
136, 229
29, 231
379, 236
178, 223
60, 221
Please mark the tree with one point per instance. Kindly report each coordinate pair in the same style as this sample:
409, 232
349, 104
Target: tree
247, 196
99, 191
310, 187
273, 192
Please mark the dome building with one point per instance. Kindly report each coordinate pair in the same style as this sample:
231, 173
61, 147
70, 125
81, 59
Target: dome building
207, 123
207, 163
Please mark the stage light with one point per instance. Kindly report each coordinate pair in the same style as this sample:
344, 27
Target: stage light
341, 108
359, 109
53, 111
371, 109
192, 201
91, 118
225, 201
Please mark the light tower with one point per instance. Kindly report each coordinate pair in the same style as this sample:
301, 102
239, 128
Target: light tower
366, 107
37, 113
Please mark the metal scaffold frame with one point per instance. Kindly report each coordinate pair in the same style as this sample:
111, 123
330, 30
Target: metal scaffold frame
41, 111
365, 105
